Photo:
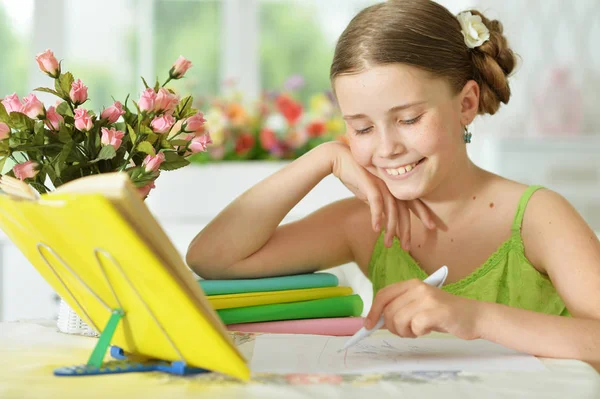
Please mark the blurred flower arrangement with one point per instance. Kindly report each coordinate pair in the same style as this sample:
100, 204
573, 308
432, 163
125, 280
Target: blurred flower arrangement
276, 127
66, 141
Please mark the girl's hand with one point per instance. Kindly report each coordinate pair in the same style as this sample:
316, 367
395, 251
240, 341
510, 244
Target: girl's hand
385, 208
412, 309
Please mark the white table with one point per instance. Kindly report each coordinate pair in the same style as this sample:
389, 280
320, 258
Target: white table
31, 350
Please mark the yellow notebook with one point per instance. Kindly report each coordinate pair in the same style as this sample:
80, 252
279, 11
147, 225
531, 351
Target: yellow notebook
266, 298
100, 248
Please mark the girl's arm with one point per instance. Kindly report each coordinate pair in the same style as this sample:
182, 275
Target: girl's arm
555, 237
558, 242
245, 239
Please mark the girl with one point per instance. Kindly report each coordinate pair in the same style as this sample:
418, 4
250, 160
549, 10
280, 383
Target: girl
409, 78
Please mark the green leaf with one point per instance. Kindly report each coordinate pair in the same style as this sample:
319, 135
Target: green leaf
4, 117
131, 133
183, 106
20, 121
47, 90
63, 84
179, 142
156, 85
146, 130
189, 112
64, 109
2, 162
61, 160
107, 152
146, 148
173, 161
164, 143
64, 135
145, 84
38, 138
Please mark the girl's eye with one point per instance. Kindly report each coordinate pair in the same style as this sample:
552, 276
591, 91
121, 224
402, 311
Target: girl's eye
411, 121
363, 131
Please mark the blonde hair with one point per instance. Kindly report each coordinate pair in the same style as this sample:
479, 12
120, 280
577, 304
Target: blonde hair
426, 35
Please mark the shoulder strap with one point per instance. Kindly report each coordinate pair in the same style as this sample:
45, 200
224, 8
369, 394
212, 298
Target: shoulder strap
522, 206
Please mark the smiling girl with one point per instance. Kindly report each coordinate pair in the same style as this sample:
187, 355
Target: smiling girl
409, 78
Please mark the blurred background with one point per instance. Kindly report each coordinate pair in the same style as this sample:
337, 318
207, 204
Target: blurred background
272, 57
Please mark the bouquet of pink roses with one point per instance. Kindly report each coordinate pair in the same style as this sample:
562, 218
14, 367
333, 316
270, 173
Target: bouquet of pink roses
66, 141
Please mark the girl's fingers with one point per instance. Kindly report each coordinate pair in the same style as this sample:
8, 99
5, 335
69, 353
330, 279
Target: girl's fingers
423, 213
404, 225
392, 219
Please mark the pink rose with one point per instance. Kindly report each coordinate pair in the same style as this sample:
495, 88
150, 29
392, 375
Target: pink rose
112, 137
12, 103
32, 107
144, 191
48, 63
152, 163
83, 121
165, 101
78, 92
180, 67
195, 123
4, 131
147, 99
26, 170
162, 124
53, 119
112, 113
199, 143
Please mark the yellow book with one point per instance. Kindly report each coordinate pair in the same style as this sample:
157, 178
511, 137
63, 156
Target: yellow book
97, 244
266, 298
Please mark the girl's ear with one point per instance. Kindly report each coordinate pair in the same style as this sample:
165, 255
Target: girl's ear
469, 102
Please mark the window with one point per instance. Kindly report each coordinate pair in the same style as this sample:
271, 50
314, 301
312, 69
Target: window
191, 29
15, 42
298, 38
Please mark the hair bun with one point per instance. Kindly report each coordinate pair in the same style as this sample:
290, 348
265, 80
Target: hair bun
493, 61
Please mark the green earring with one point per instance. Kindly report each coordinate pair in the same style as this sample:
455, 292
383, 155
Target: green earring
467, 135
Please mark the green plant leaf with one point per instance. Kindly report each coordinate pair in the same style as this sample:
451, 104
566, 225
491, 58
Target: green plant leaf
64, 109
47, 90
173, 161
107, 152
64, 135
131, 133
164, 143
4, 117
38, 138
2, 162
20, 121
61, 161
179, 142
63, 84
145, 83
189, 112
146, 148
183, 106
156, 85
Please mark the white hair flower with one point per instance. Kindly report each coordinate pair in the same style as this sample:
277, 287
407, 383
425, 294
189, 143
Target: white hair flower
473, 29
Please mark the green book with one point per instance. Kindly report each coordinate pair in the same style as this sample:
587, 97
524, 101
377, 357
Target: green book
342, 306
296, 282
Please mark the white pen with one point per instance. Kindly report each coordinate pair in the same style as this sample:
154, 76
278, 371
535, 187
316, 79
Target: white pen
436, 279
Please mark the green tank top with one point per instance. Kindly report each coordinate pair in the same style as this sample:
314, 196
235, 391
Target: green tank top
507, 277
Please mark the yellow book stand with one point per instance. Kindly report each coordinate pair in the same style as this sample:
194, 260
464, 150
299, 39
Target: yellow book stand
108, 258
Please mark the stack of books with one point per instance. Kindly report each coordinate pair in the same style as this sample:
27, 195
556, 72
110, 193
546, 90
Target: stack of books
301, 304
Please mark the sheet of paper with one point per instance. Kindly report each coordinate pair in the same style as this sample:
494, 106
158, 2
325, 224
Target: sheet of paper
287, 353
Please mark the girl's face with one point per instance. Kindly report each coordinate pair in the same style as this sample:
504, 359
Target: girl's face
403, 126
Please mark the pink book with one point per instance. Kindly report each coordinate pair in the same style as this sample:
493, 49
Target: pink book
337, 326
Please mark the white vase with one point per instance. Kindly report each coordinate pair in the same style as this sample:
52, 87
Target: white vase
70, 323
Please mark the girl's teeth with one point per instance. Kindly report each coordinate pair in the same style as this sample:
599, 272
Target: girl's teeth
401, 170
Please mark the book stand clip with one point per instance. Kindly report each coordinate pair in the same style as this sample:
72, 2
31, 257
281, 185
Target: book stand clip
123, 363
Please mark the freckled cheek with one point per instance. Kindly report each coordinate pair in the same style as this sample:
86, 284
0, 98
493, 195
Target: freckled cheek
362, 151
430, 140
